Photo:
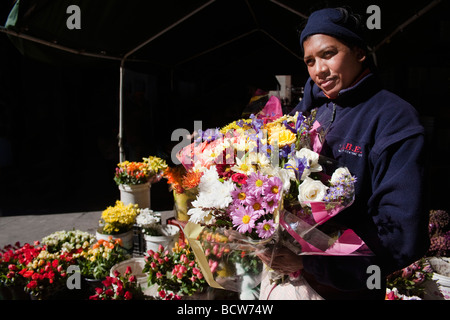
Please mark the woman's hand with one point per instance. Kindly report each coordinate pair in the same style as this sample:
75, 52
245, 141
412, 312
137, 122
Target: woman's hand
282, 260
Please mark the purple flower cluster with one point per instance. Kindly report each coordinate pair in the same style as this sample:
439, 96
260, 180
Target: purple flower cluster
254, 203
342, 190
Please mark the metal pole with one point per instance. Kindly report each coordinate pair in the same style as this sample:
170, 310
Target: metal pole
120, 137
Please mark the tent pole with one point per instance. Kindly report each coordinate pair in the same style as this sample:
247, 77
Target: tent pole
406, 23
143, 44
120, 136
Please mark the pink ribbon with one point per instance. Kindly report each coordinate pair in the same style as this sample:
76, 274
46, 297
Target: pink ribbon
347, 244
314, 136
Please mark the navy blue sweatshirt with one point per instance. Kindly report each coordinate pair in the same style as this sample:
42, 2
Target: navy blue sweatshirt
378, 136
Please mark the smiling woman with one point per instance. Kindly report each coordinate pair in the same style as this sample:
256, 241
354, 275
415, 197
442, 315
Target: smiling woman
331, 64
379, 138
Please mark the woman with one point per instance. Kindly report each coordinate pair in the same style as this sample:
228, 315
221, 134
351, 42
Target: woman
377, 135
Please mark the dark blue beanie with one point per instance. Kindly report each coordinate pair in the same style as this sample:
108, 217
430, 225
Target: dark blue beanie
335, 23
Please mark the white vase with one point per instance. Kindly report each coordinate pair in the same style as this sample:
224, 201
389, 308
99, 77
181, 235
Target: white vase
126, 237
135, 193
170, 235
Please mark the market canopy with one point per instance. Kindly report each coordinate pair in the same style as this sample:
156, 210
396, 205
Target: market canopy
187, 38
195, 36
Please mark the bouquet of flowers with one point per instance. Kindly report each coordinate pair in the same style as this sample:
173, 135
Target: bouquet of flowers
119, 218
149, 221
68, 240
410, 281
262, 182
97, 261
46, 273
175, 273
131, 173
15, 258
119, 287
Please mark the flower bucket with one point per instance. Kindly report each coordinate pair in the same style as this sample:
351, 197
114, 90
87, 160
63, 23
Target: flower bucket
170, 235
136, 265
137, 194
183, 202
126, 237
441, 275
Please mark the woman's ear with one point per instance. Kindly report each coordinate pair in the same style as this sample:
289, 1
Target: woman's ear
361, 54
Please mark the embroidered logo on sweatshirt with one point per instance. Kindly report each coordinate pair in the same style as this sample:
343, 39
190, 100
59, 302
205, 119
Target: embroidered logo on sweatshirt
352, 149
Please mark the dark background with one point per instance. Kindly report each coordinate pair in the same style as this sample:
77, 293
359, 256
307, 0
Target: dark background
59, 125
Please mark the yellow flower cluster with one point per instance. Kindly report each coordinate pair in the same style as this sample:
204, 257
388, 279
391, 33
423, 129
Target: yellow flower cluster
155, 164
102, 249
119, 217
234, 126
277, 131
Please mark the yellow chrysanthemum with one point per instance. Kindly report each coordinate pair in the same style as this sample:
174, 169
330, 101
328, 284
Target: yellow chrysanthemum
233, 126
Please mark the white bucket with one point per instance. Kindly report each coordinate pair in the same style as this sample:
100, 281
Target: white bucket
136, 265
170, 235
136, 194
126, 237
441, 275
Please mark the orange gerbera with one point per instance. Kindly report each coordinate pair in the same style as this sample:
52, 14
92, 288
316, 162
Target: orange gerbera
191, 179
174, 176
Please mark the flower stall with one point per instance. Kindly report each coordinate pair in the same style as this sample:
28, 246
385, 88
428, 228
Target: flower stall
240, 193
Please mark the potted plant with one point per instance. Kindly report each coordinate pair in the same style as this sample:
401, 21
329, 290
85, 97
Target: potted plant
46, 274
175, 273
155, 233
68, 241
117, 221
13, 259
95, 263
119, 287
135, 178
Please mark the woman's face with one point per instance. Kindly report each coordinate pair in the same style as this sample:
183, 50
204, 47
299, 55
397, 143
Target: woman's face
332, 65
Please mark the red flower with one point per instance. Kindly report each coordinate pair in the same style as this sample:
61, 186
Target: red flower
26, 273
32, 284
128, 295
99, 290
128, 270
107, 282
109, 292
239, 178
55, 263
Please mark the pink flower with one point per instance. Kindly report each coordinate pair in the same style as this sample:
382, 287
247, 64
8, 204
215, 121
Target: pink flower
265, 229
128, 270
244, 219
99, 290
128, 295
239, 178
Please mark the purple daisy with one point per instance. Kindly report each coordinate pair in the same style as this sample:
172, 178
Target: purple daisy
256, 183
257, 203
239, 195
273, 189
265, 229
243, 219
